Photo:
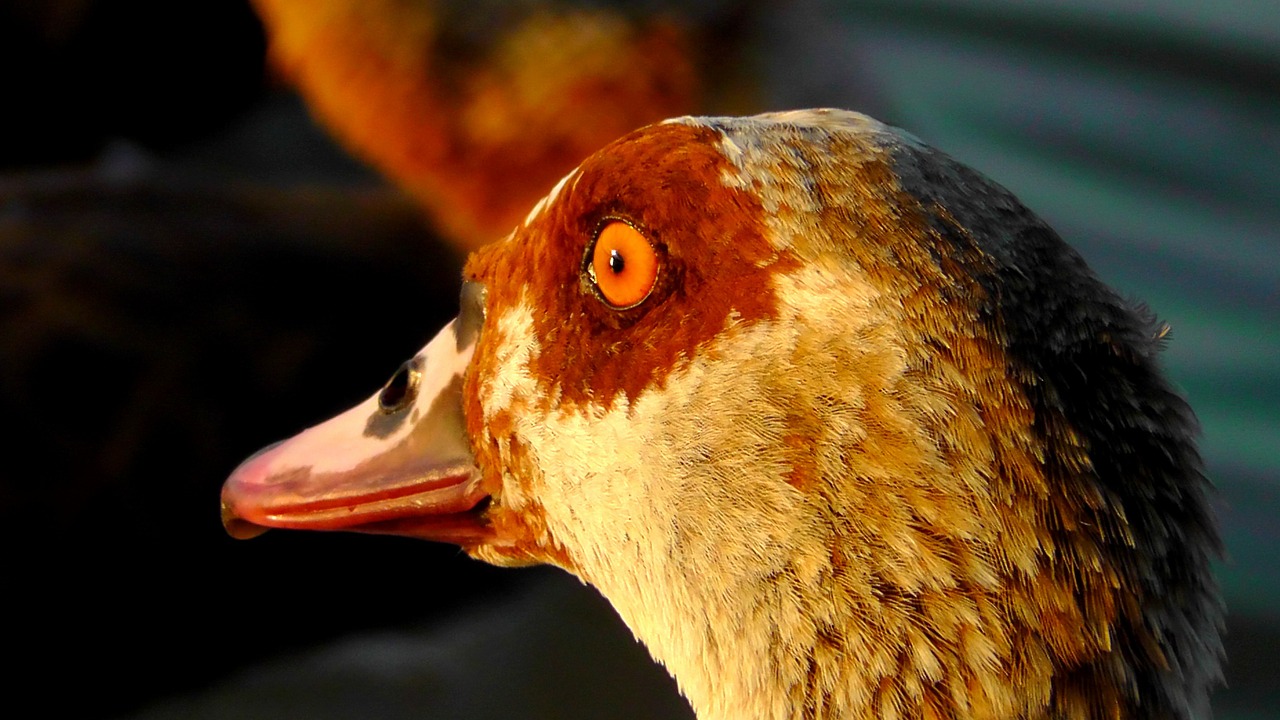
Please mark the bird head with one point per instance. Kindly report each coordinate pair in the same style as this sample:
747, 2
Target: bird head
838, 426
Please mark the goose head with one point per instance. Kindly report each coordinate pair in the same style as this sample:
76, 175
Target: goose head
839, 427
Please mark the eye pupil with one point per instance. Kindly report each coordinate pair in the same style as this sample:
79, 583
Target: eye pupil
616, 262
400, 390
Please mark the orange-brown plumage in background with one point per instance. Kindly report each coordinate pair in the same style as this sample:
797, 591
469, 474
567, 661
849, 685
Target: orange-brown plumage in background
477, 111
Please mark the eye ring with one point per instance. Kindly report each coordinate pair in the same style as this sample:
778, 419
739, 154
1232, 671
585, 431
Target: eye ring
622, 264
402, 389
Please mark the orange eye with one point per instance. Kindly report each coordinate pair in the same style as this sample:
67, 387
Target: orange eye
624, 266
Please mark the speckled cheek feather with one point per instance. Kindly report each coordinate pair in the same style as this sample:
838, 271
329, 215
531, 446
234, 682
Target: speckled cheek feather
588, 355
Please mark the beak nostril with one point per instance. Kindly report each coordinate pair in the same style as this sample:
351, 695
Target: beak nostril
401, 389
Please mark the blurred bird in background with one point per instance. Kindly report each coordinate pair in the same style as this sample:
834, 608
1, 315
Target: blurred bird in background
478, 108
189, 269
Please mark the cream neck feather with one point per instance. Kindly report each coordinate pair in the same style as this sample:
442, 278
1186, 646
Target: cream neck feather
764, 599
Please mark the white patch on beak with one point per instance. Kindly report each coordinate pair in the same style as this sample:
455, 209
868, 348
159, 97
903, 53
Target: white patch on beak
402, 456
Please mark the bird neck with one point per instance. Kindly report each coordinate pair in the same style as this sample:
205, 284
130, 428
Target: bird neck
772, 580
859, 530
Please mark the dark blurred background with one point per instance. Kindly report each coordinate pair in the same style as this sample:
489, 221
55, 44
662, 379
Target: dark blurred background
190, 269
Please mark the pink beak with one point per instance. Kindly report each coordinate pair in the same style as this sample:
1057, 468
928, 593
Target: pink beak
399, 463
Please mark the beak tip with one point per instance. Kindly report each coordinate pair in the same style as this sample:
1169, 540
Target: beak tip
236, 526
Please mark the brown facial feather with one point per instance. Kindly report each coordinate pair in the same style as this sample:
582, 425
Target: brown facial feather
706, 237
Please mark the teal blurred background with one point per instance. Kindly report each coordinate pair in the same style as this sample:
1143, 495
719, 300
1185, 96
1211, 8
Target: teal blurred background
173, 227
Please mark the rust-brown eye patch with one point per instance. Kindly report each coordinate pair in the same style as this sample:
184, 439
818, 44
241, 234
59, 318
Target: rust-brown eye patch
622, 265
715, 265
